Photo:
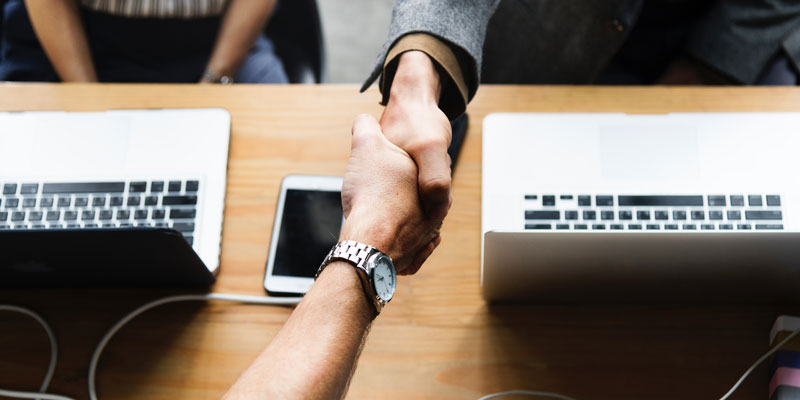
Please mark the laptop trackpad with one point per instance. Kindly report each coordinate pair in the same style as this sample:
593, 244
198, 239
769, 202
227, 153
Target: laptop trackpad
648, 152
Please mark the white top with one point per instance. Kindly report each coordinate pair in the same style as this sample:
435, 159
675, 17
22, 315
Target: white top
158, 8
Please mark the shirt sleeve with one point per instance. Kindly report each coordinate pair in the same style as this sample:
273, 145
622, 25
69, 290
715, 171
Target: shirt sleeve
739, 37
454, 96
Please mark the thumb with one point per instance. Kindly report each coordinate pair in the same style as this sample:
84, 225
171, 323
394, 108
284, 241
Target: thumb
366, 131
434, 181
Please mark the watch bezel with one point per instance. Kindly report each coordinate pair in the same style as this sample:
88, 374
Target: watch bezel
373, 262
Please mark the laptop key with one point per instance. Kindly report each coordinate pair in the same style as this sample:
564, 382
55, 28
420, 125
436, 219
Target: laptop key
177, 213
115, 201
527, 196
617, 227
46, 202
179, 225
598, 227
660, 200
3, 216
10, 188
18, 216
70, 215
133, 201
35, 216
698, 215
87, 215
634, 227
769, 215
64, 201
189, 226
140, 214
53, 215
715, 215
773, 200
653, 227
179, 200
162, 225
643, 215
109, 225
547, 200
29, 202
737, 200
29, 188
84, 187
541, 215
90, 225
625, 215
580, 227
607, 215
584, 200
707, 227
769, 226
157, 186
123, 215
125, 224
158, 214
81, 201
662, 215
105, 215
12, 202
718, 201
689, 227
189, 239
99, 201
734, 215
570, 215
562, 226
589, 215
137, 187
192, 186
604, 200
679, 215
175, 186
151, 200
562, 197
725, 227
743, 226
754, 200
671, 227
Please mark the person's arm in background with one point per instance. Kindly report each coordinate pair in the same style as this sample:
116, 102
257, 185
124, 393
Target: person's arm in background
243, 22
60, 31
735, 42
430, 69
314, 354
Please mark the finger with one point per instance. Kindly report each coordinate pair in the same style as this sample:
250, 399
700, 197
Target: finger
434, 180
420, 258
365, 131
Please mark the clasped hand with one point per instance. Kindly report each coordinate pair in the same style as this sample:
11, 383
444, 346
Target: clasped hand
381, 200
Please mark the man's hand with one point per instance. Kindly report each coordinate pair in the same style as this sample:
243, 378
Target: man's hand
413, 121
381, 201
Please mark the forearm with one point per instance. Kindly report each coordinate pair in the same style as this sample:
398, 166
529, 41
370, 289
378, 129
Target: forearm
416, 79
244, 20
58, 26
313, 356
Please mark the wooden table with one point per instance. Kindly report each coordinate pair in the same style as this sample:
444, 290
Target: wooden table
437, 339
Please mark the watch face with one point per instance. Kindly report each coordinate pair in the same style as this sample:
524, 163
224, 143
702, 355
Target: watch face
383, 277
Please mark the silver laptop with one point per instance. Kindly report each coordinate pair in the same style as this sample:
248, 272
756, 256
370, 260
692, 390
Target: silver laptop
616, 208
67, 171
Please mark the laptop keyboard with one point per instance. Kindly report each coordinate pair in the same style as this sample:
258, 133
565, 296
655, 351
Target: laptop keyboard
103, 205
639, 213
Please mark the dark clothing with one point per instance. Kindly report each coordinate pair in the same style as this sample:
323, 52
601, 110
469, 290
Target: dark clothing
131, 49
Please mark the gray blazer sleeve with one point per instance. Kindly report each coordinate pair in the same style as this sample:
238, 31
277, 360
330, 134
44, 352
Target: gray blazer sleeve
459, 23
739, 37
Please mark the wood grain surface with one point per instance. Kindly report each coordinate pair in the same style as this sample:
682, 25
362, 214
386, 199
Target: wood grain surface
437, 339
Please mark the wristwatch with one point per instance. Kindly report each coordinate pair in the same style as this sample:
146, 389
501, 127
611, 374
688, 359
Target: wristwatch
214, 78
376, 270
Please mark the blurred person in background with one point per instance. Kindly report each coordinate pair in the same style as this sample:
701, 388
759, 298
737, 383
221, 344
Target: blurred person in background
214, 41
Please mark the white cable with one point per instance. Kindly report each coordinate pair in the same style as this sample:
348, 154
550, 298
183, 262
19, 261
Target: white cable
51, 368
527, 393
758, 362
286, 301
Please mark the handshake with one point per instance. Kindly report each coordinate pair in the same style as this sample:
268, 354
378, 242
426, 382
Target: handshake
396, 190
